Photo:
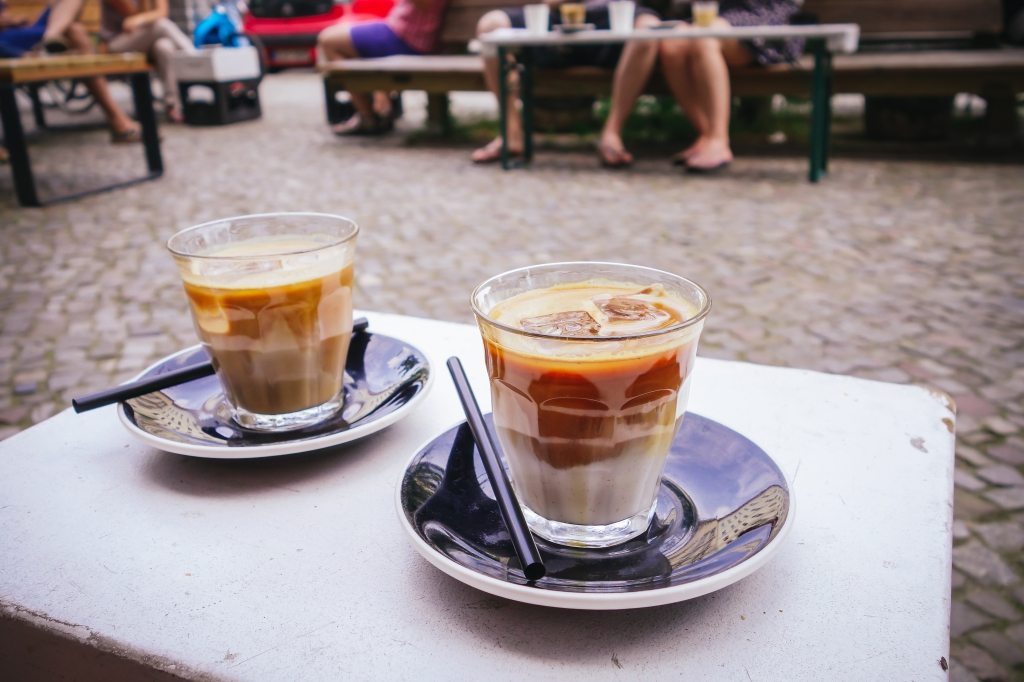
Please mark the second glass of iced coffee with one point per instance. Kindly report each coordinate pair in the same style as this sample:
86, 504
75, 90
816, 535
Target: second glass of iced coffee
271, 300
589, 368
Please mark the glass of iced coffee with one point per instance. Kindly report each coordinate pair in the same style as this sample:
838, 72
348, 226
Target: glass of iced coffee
589, 367
271, 300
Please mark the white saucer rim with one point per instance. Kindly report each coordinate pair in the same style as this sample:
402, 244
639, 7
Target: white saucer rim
594, 601
271, 449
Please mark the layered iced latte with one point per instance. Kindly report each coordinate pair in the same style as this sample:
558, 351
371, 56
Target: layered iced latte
589, 366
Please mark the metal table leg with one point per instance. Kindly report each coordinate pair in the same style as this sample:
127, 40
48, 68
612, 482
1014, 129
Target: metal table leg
526, 96
503, 104
819, 111
827, 106
17, 150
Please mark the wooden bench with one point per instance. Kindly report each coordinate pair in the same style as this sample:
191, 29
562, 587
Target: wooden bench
31, 9
908, 47
31, 70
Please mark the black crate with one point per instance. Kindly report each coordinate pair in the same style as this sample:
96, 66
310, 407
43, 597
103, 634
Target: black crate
209, 103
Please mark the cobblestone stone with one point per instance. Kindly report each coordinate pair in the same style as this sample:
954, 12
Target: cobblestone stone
978, 661
1008, 498
1003, 536
1001, 475
994, 604
984, 565
905, 272
1000, 647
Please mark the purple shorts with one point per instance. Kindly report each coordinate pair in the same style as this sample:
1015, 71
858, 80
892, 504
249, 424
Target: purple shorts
376, 39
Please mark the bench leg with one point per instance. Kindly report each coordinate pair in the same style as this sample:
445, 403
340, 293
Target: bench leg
37, 107
17, 150
439, 113
333, 109
826, 143
143, 97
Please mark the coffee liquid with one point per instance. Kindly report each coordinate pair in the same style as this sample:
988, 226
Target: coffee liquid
585, 426
278, 345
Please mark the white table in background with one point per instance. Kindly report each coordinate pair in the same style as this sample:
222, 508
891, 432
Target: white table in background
118, 560
823, 40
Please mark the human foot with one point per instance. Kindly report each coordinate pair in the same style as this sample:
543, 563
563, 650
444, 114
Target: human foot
697, 147
713, 157
129, 132
357, 125
612, 152
491, 151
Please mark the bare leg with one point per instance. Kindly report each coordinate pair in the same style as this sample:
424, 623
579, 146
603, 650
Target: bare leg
709, 62
120, 122
677, 65
335, 42
62, 14
491, 151
631, 75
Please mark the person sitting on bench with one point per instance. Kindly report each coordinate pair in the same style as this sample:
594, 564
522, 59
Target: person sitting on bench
411, 28
56, 29
697, 74
132, 26
633, 64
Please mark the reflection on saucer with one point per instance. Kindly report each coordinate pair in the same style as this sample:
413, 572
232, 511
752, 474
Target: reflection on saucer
384, 378
722, 502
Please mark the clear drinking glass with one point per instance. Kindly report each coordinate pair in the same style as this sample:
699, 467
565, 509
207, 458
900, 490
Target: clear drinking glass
589, 367
705, 12
271, 300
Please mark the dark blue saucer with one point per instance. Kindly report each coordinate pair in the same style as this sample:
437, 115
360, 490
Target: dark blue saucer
721, 511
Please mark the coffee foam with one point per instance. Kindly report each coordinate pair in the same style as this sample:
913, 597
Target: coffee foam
267, 262
580, 344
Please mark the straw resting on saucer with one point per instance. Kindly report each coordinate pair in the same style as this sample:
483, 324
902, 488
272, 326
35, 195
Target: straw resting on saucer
487, 444
161, 381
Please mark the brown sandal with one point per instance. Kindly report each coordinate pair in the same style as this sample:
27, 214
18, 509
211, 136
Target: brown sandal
131, 135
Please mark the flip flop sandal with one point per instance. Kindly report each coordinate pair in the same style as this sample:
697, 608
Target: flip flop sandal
378, 126
708, 170
496, 158
129, 136
55, 47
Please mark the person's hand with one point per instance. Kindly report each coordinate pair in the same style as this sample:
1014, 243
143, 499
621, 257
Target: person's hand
131, 23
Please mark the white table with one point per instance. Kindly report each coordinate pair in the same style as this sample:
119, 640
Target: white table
823, 40
297, 568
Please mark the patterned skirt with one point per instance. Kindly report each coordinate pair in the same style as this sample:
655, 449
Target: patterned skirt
765, 13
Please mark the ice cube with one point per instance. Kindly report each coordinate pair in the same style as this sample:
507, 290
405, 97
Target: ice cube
569, 323
629, 314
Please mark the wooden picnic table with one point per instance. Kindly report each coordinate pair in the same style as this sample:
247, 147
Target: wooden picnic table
33, 70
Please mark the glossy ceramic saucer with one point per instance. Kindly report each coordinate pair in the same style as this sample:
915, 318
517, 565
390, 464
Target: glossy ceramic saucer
385, 378
723, 510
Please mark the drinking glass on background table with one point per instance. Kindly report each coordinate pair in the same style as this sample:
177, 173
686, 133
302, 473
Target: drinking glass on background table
271, 301
620, 15
573, 13
705, 12
589, 367
536, 18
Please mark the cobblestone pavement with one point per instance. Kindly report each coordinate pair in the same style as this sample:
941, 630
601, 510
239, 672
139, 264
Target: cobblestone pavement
890, 270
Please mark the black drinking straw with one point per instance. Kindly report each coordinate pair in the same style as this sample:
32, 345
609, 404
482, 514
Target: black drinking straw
161, 381
487, 444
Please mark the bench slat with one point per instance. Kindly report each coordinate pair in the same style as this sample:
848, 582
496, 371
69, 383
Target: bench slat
36, 69
899, 73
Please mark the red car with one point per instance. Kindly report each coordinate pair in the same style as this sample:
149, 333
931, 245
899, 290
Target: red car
285, 30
